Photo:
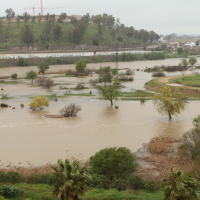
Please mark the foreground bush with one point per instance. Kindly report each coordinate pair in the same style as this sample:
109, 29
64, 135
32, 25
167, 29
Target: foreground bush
99, 181
135, 182
121, 158
10, 192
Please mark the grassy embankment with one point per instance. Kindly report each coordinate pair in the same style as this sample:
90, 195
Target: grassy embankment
191, 93
44, 192
192, 80
11, 35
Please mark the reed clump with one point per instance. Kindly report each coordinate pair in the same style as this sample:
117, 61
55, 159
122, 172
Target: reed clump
161, 145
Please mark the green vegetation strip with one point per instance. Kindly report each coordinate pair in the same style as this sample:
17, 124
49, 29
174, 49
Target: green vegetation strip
113, 194
81, 94
10, 82
63, 76
74, 88
6, 98
192, 81
136, 93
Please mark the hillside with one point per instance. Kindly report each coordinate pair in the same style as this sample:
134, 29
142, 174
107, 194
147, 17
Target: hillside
10, 35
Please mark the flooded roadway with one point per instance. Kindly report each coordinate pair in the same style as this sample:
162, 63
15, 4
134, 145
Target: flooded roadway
28, 136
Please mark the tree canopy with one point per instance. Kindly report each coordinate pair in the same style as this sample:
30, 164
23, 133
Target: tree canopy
109, 93
81, 65
169, 102
42, 67
192, 61
39, 102
31, 75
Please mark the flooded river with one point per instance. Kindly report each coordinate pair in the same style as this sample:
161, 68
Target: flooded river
25, 135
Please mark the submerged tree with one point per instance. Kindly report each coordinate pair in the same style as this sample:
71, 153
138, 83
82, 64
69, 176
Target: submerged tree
31, 75
39, 102
169, 102
42, 67
105, 75
71, 110
70, 181
109, 93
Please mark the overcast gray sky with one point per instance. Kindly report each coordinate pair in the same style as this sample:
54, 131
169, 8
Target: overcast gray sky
162, 16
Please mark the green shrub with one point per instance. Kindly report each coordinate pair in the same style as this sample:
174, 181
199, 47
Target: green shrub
22, 62
2, 177
81, 65
99, 181
121, 158
96, 59
14, 76
33, 179
2, 198
135, 182
49, 60
150, 185
119, 184
47, 179
10, 192
13, 177
2, 65
40, 179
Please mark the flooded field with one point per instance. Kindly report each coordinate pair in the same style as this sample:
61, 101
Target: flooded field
26, 135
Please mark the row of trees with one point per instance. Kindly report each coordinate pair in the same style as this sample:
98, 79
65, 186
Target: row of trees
77, 28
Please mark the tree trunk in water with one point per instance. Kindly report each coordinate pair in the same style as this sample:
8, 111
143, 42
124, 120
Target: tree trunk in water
111, 102
170, 117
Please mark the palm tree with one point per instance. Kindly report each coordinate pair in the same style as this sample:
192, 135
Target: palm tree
70, 181
179, 186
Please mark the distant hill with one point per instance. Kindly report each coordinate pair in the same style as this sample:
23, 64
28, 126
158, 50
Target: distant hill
10, 35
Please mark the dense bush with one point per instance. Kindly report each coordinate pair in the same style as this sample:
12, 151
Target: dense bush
2, 177
121, 158
129, 72
154, 56
40, 179
175, 68
10, 192
96, 59
158, 74
150, 185
99, 181
81, 65
33, 179
14, 76
13, 177
190, 144
119, 184
135, 182
22, 62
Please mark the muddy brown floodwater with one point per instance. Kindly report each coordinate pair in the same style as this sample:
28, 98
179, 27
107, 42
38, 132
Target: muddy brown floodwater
26, 135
